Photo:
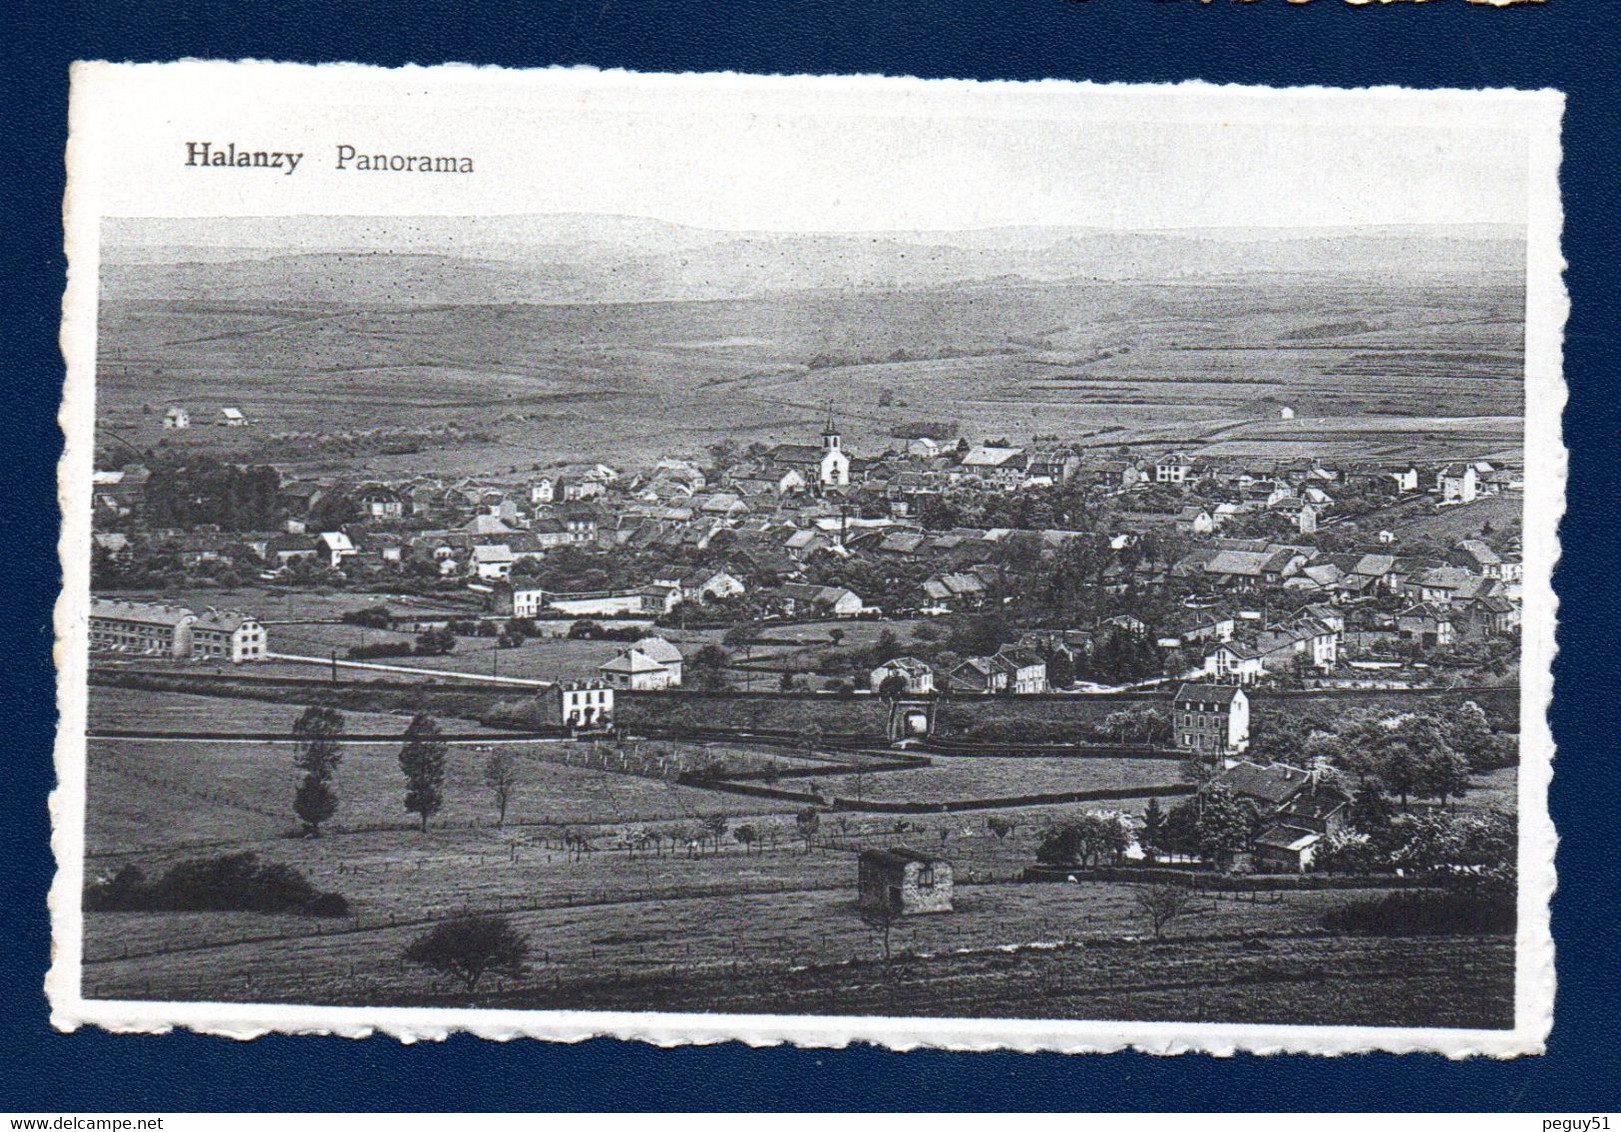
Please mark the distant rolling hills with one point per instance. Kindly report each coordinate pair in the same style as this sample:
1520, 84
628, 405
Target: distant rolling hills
558, 336
437, 261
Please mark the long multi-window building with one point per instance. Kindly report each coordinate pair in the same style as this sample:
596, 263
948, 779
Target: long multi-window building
143, 628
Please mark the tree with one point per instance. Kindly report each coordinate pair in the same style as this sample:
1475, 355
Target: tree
708, 667
1443, 773
881, 919
1152, 835
1180, 834
1470, 733
1370, 810
1060, 669
1085, 839
836, 635
746, 836
892, 686
887, 647
1000, 826
740, 635
316, 752
715, 826
1162, 903
1224, 826
468, 947
807, 822
501, 776
1398, 766
422, 759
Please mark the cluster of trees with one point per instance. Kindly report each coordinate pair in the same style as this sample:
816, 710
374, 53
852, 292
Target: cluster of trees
140, 566
1215, 826
576, 569
1424, 753
1480, 847
203, 490
1092, 837
318, 752
231, 883
429, 642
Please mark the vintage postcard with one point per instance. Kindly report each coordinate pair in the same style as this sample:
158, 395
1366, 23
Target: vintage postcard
696, 557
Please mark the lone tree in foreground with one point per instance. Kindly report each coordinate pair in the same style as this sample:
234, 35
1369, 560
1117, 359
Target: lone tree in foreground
316, 752
501, 776
881, 920
1162, 903
422, 758
469, 946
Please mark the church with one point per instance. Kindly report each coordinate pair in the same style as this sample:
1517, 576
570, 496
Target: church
827, 466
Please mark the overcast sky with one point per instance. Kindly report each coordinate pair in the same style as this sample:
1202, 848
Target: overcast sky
811, 155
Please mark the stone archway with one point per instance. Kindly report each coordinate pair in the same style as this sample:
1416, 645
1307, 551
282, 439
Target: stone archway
910, 719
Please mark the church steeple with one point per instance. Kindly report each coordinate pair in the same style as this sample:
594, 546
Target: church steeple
835, 464
831, 438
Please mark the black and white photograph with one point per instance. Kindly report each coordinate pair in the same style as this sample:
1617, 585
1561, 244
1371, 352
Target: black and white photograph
1037, 566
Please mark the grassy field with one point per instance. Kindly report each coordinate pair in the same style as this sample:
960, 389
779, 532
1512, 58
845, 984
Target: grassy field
1494, 790
243, 791
805, 950
535, 384
949, 778
1451, 982
1452, 524
138, 709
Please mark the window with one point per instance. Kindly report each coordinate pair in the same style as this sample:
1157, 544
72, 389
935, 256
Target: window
925, 876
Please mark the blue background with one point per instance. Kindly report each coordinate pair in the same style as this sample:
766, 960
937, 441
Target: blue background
1569, 44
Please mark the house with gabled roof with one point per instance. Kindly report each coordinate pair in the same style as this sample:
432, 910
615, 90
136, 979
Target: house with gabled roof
1457, 483
633, 670
1211, 719
919, 676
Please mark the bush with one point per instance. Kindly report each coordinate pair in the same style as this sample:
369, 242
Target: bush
1425, 913
233, 883
373, 617
373, 652
435, 642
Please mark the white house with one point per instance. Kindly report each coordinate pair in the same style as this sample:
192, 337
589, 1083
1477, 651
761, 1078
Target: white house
176, 418
232, 418
705, 585
661, 650
334, 547
919, 676
578, 704
995, 464
1233, 660
492, 562
235, 637
633, 670
1457, 483
1173, 467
